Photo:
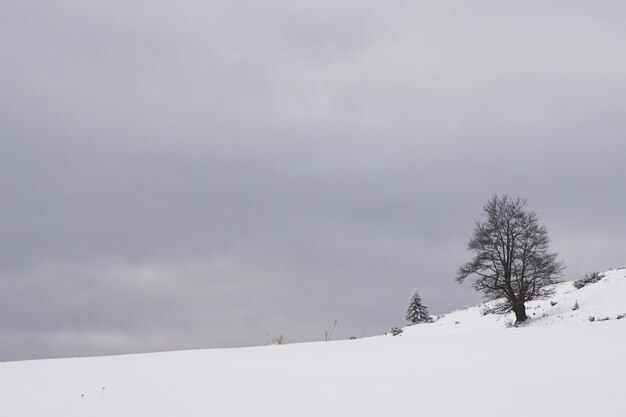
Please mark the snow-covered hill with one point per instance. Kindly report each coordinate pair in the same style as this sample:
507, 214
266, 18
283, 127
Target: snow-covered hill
603, 300
559, 364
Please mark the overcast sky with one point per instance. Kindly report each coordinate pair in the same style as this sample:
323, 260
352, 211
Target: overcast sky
188, 174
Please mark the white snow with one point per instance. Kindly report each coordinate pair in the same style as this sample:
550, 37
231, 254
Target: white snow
559, 364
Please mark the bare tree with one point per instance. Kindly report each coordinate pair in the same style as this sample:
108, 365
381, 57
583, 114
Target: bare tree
512, 263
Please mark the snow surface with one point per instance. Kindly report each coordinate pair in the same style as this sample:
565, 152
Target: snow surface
559, 364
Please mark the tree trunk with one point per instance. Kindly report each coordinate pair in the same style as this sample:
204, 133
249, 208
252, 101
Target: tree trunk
520, 313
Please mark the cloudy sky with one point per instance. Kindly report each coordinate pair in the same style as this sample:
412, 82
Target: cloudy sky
188, 174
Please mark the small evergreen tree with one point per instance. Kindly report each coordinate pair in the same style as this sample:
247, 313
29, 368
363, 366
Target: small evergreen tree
417, 312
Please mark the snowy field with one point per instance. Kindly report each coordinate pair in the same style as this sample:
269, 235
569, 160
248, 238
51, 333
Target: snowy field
464, 364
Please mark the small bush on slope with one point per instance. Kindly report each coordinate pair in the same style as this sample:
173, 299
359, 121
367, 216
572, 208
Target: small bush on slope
588, 278
395, 331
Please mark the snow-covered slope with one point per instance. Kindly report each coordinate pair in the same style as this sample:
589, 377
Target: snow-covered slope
559, 364
605, 299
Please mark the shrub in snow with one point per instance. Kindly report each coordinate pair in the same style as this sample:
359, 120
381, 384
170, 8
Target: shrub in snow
395, 331
621, 316
603, 319
553, 303
592, 318
588, 278
576, 307
417, 312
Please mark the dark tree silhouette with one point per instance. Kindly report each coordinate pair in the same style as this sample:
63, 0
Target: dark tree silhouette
512, 263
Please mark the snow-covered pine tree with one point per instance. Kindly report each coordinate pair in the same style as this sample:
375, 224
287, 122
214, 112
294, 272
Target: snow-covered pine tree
417, 312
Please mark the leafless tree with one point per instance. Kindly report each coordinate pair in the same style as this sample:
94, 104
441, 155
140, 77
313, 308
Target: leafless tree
512, 263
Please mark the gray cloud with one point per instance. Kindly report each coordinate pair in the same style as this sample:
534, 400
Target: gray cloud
184, 175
